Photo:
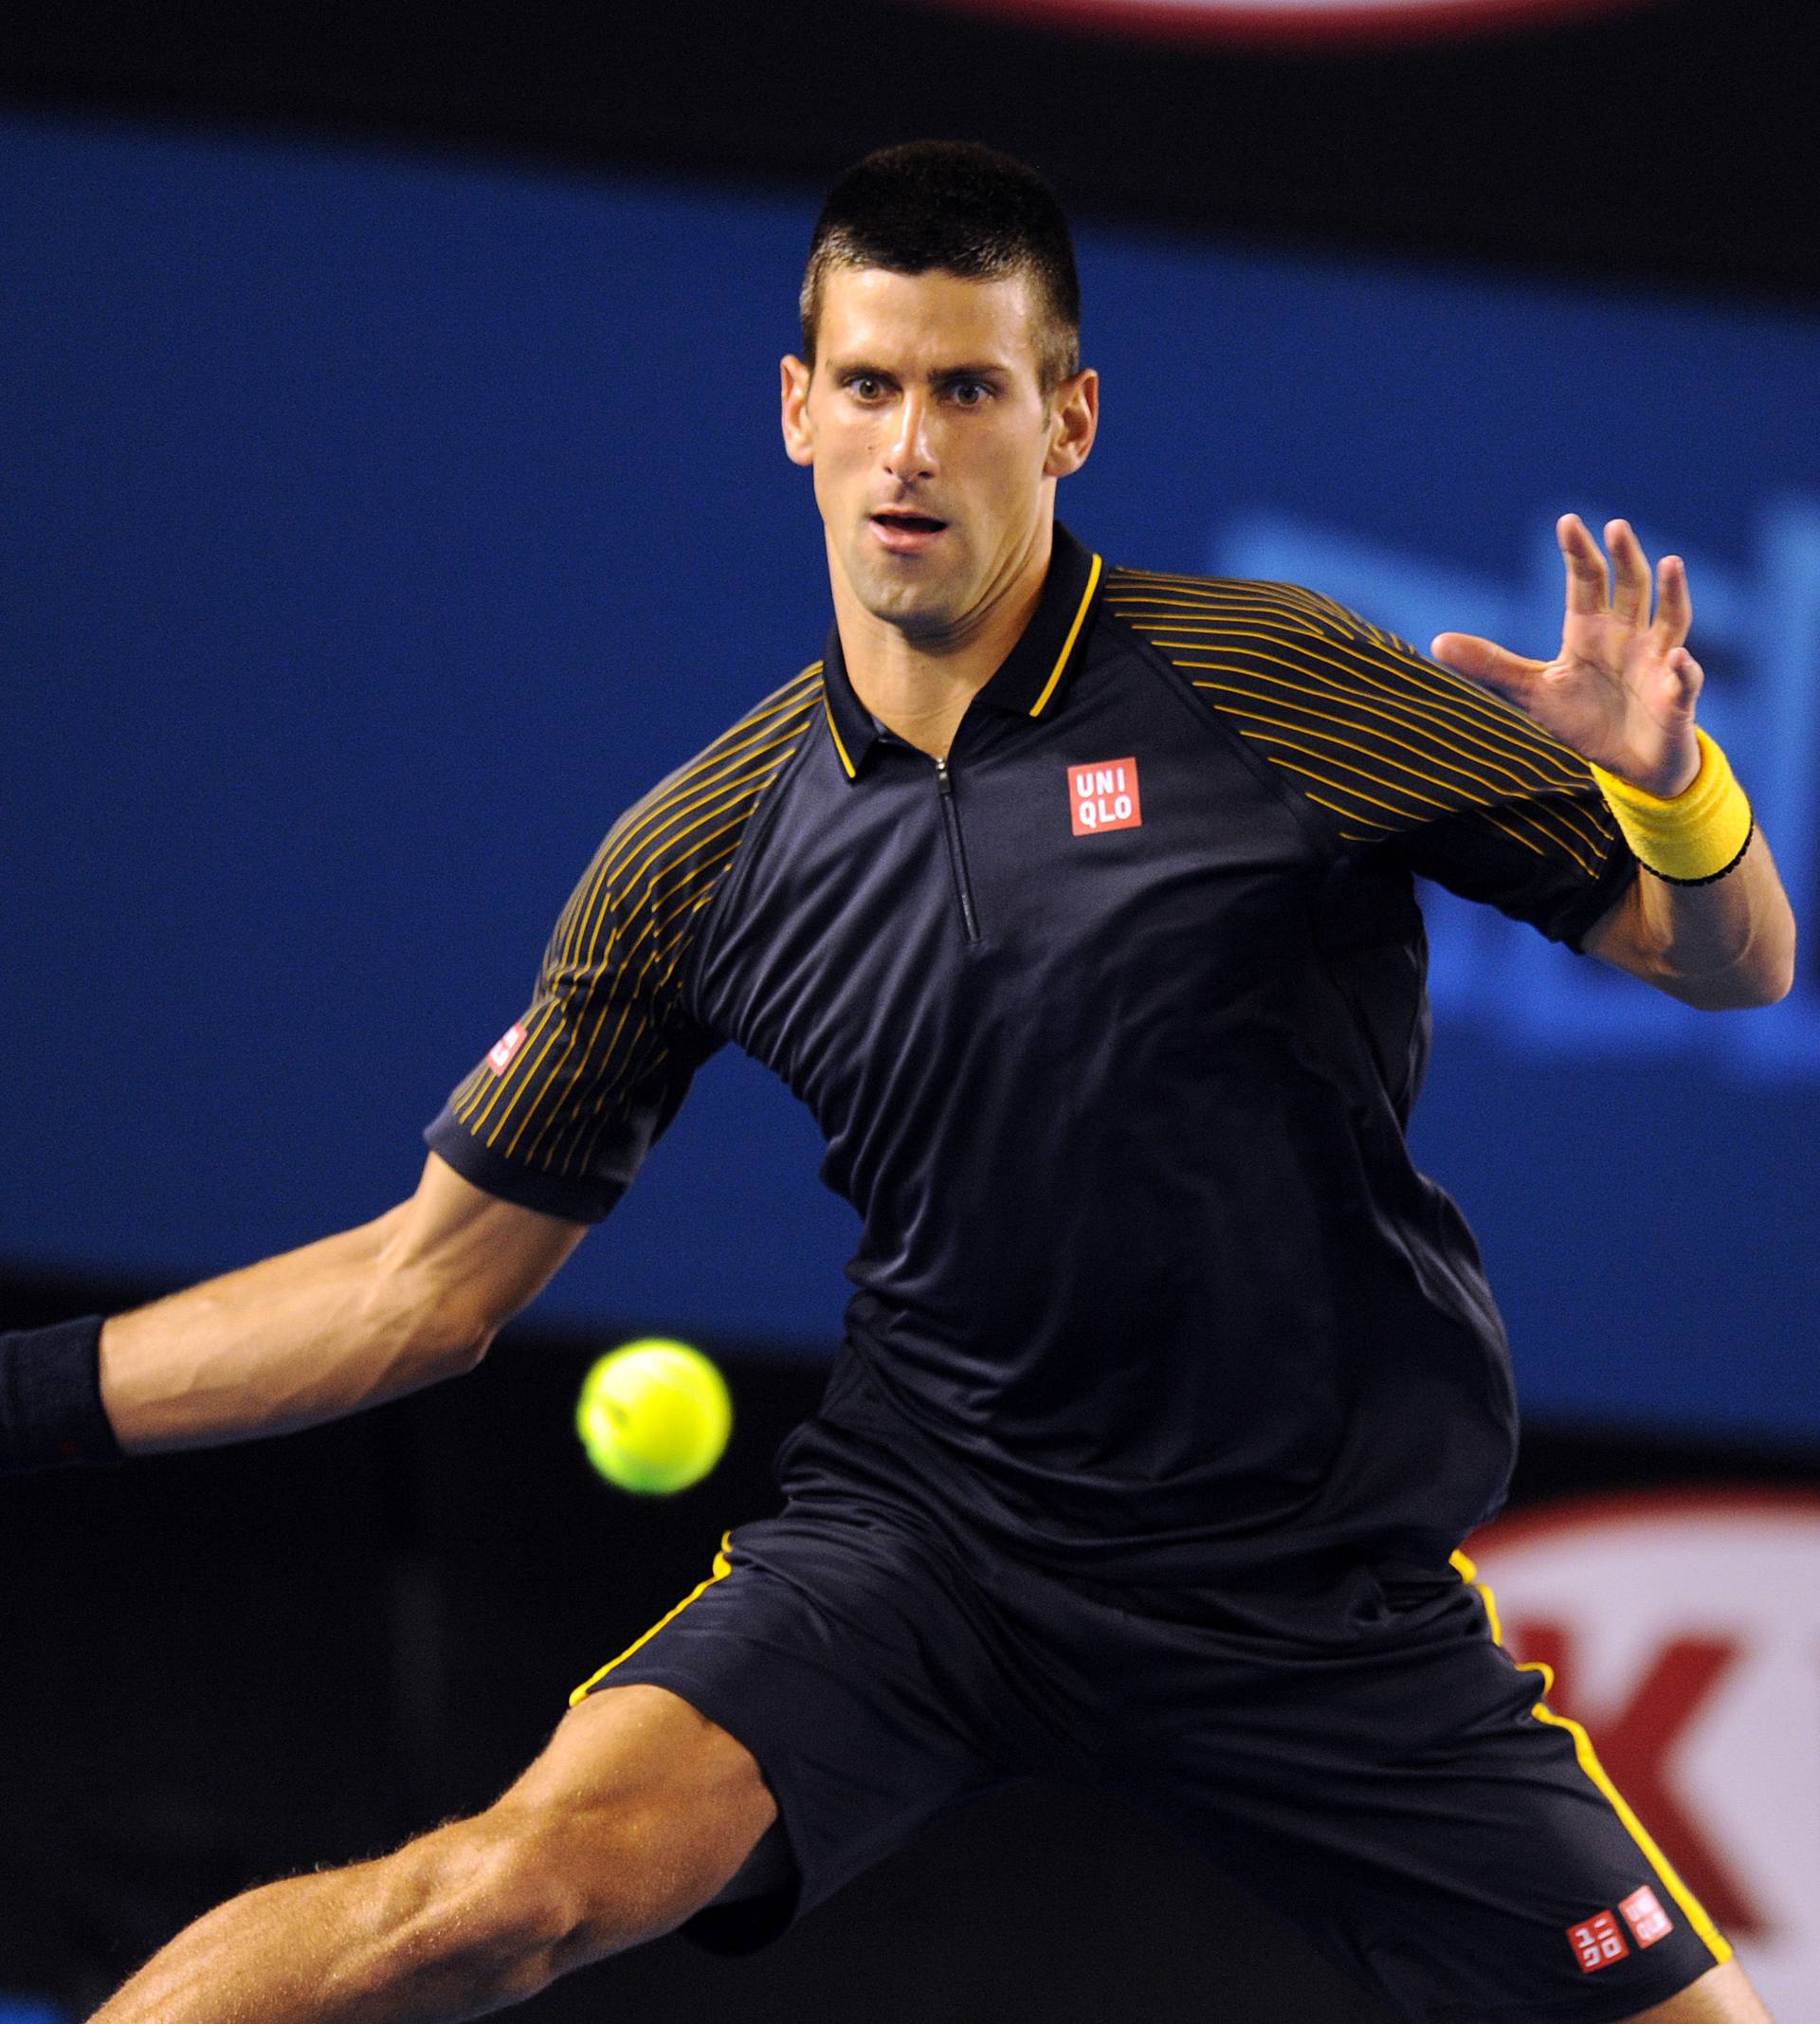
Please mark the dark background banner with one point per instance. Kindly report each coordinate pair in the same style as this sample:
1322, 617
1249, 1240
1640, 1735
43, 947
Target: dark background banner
1671, 142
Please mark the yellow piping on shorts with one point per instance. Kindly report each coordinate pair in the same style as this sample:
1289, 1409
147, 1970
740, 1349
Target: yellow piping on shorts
722, 1567
1695, 1912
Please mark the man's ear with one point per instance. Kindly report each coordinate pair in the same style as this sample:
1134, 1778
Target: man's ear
1074, 410
799, 440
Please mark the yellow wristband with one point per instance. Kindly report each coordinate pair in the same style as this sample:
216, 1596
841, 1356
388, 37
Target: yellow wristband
1694, 837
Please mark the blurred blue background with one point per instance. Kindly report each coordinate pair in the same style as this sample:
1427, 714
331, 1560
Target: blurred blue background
376, 528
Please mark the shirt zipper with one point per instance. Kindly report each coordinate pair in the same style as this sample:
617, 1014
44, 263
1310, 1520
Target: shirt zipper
957, 854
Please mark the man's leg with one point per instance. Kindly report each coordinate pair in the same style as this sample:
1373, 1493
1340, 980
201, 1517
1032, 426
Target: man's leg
638, 1812
1721, 1998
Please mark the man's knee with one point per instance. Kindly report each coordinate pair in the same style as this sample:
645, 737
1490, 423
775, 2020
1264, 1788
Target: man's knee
638, 1813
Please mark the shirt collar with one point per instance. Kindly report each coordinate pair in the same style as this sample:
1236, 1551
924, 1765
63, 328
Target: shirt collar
1026, 682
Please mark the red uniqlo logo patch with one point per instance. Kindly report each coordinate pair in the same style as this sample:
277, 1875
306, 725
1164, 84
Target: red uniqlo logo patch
1598, 1943
1643, 1915
1105, 796
508, 1045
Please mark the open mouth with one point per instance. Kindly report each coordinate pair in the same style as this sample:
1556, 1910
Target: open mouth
891, 521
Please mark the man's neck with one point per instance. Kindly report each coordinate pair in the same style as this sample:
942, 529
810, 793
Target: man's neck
919, 688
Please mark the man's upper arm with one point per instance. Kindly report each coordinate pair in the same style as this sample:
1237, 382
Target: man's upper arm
1464, 790
1506, 815
559, 1114
1386, 749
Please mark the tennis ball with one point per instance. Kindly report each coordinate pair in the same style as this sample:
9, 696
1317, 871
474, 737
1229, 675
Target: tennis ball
654, 1417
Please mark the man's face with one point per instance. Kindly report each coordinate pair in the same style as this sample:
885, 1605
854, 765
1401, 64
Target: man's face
935, 453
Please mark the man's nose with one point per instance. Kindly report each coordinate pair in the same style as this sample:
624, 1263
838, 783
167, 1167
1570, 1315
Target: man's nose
911, 452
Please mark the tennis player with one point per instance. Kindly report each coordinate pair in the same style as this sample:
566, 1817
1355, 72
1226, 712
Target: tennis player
1076, 901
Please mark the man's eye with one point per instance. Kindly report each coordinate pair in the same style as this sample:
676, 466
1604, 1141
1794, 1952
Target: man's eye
970, 392
863, 387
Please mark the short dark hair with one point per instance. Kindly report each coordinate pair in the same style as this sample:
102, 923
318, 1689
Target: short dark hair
966, 210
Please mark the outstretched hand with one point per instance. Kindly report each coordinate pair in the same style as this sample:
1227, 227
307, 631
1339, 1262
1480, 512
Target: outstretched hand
1621, 691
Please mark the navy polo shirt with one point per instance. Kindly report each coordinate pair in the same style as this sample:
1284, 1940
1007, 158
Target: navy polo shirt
1112, 1024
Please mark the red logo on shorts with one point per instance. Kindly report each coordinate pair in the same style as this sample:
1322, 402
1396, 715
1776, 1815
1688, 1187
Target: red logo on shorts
508, 1045
1105, 796
1598, 1943
1643, 1915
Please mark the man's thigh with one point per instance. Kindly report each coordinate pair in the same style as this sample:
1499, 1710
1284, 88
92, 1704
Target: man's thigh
867, 1675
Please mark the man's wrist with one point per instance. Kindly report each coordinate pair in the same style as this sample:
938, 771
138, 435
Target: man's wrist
51, 1414
1693, 837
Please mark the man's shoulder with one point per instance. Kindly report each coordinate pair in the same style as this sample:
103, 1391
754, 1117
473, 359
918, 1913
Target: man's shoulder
777, 719
1372, 737
1280, 633
1155, 600
685, 830
752, 749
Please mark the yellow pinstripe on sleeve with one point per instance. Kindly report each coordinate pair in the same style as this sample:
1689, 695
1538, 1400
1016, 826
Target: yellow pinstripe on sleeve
605, 1052
1393, 749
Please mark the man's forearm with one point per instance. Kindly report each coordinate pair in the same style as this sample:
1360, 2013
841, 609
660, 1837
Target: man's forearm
304, 1337
1720, 947
341, 1324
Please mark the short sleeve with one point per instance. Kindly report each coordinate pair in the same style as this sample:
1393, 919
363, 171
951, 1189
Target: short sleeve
1389, 751
1545, 859
562, 1111
1521, 823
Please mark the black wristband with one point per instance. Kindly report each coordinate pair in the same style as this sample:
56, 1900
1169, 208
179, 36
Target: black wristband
50, 1397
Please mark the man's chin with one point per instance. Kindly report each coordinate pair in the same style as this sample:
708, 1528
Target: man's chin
916, 607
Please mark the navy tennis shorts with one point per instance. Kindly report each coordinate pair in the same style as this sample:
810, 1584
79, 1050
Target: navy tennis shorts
1381, 1770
